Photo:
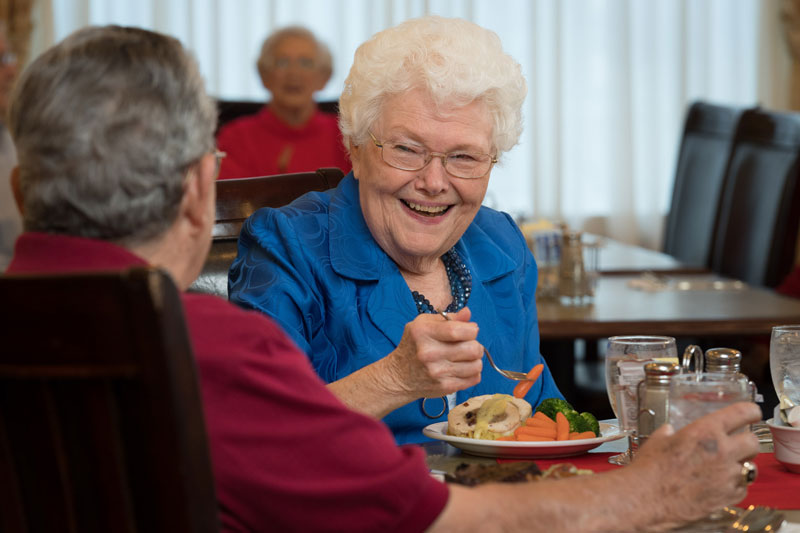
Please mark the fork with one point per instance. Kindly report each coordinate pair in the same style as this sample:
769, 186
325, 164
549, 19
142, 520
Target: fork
757, 519
510, 374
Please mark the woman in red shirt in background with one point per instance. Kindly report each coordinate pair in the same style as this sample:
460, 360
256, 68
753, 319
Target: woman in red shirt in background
290, 134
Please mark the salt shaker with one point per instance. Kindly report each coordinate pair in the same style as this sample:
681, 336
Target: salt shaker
572, 282
653, 393
723, 360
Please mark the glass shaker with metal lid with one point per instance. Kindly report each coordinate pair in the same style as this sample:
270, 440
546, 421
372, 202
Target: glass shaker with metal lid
723, 360
572, 282
653, 393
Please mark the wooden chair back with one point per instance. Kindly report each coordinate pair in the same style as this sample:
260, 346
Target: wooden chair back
101, 422
237, 199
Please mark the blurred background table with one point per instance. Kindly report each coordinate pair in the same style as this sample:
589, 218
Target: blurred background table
698, 310
615, 258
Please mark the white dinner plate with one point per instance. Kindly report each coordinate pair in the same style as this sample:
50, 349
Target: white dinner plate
523, 450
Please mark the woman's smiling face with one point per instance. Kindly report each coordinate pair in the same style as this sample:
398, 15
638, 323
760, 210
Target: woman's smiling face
416, 216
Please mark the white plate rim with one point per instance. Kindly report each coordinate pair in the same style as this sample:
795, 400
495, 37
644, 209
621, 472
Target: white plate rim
438, 431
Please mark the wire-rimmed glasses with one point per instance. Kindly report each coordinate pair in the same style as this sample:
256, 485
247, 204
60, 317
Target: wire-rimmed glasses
218, 157
409, 156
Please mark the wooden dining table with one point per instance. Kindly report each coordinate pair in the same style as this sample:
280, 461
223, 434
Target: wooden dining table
685, 305
618, 258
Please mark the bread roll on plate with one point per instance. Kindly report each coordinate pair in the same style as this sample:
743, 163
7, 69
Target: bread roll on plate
488, 417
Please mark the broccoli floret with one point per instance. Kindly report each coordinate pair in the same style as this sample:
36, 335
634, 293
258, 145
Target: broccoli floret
551, 406
592, 422
577, 424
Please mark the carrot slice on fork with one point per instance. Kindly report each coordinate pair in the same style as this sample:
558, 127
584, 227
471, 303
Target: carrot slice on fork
523, 387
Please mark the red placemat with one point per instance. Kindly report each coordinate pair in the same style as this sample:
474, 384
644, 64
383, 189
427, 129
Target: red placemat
774, 487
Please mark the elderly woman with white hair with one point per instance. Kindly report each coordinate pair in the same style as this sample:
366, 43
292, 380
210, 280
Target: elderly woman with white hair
291, 133
358, 275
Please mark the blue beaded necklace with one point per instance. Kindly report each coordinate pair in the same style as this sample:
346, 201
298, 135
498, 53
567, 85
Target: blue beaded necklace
460, 285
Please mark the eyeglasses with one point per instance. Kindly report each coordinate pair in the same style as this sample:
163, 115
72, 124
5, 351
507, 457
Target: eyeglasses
406, 156
283, 63
218, 157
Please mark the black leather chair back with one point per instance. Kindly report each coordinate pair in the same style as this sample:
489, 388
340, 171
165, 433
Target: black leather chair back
704, 151
101, 421
756, 230
237, 199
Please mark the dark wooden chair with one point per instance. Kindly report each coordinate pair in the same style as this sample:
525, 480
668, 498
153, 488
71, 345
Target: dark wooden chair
704, 152
101, 423
756, 229
237, 199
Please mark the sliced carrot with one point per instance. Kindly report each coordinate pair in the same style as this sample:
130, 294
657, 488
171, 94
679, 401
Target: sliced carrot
523, 387
528, 438
535, 372
573, 435
536, 422
537, 432
582, 435
562, 427
507, 437
541, 416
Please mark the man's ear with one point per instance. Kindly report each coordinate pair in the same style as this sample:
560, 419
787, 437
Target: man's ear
199, 195
16, 189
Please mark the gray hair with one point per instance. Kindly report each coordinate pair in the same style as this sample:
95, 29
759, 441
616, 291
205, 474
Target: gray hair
455, 61
107, 123
266, 58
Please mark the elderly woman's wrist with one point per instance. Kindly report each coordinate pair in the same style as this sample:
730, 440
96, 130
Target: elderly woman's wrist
389, 379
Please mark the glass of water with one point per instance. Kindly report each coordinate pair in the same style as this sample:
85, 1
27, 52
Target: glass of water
784, 364
625, 360
692, 396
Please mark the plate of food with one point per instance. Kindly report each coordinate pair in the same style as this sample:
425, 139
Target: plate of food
476, 425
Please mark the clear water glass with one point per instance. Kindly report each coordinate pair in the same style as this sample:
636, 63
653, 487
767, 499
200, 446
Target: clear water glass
625, 360
784, 364
692, 396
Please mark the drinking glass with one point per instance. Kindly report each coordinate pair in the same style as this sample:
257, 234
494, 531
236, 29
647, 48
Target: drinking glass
695, 395
625, 360
784, 364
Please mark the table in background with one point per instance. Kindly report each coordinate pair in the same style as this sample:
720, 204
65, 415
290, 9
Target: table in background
615, 258
619, 309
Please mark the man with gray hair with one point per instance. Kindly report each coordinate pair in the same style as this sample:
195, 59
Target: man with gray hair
117, 168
